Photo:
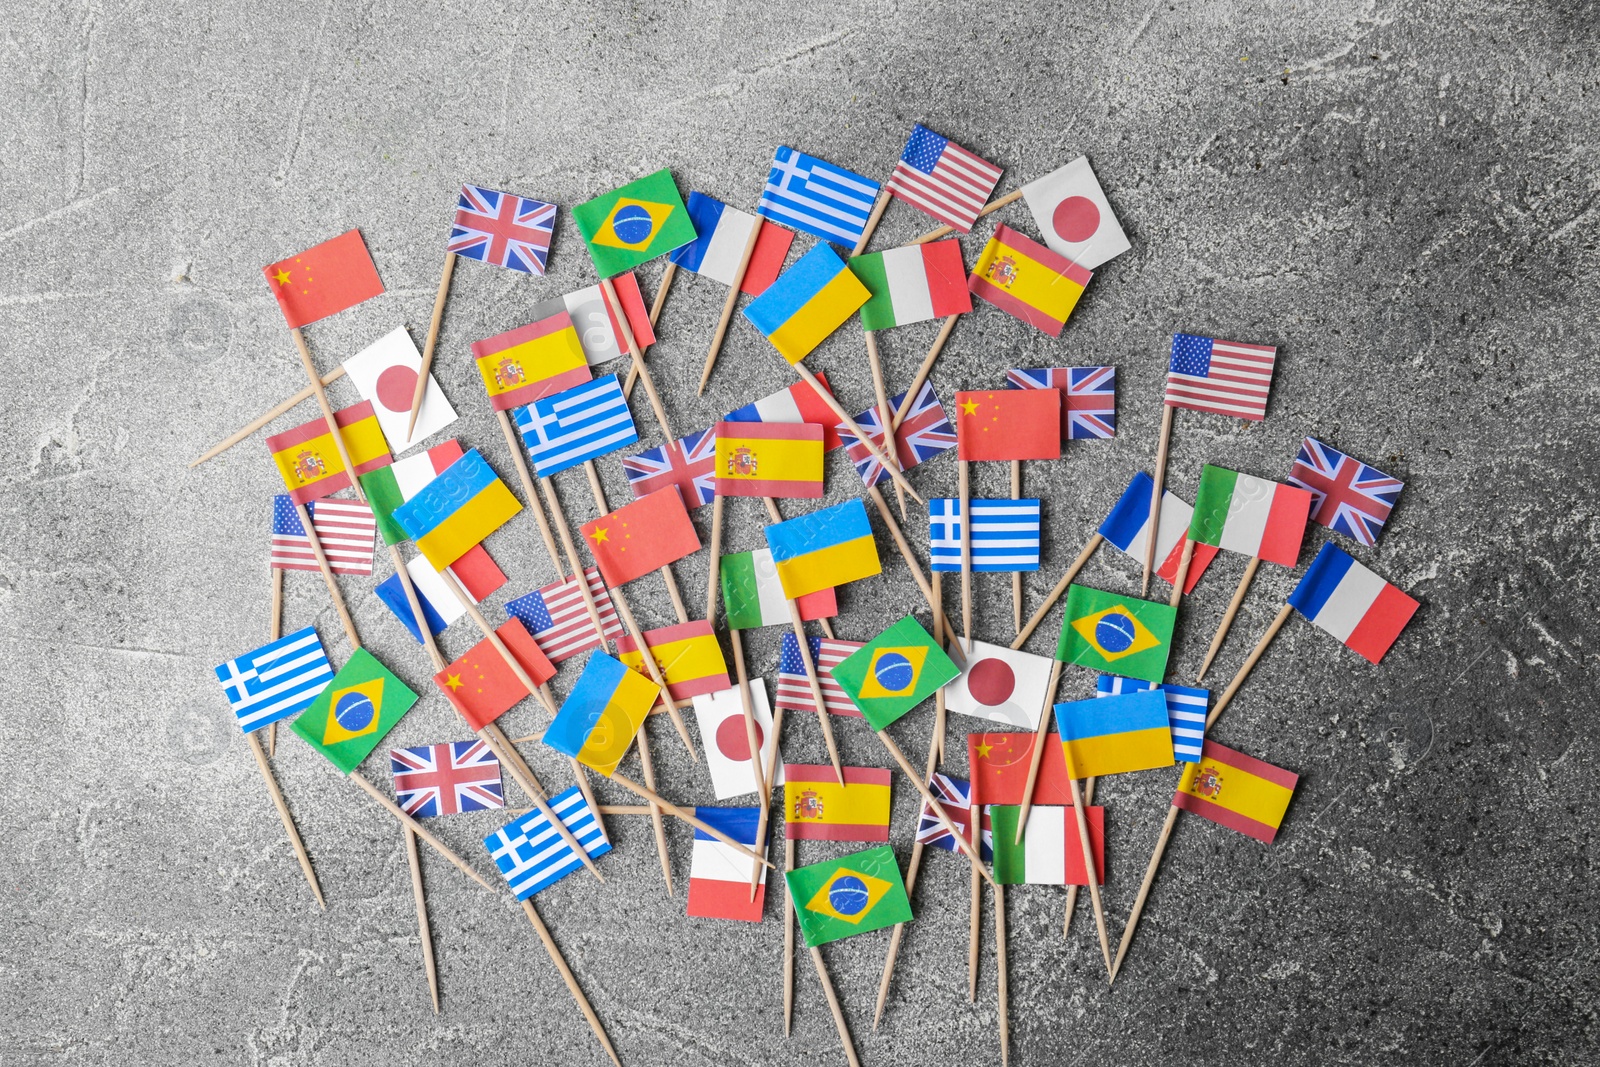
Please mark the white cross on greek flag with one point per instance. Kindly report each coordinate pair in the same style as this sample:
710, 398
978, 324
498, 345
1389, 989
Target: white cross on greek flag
276, 680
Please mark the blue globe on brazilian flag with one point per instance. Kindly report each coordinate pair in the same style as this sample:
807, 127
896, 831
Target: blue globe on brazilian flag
894, 672
1116, 634
350, 717
838, 898
642, 220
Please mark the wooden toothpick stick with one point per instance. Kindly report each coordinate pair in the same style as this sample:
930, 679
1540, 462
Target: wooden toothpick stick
661, 291
769, 771
1088, 859
621, 316
713, 571
1227, 617
1072, 890
934, 804
1144, 887
729, 304
421, 831
1016, 576
993, 205
788, 940
975, 914
925, 369
855, 428
574, 561
1002, 973
912, 565
433, 339
648, 768
327, 411
567, 977
873, 219
512, 760
1055, 594
1182, 578
261, 421
327, 576
424, 933
285, 817
1249, 665
1155, 497
1040, 735
751, 727
833, 1006
966, 552
823, 715
276, 631
519, 459
687, 816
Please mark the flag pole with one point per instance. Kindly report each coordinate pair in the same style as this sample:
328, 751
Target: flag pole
1001, 973
421, 831
1072, 890
676, 812
1056, 593
327, 410
943, 637
1016, 576
966, 552
1040, 736
937, 808
1249, 664
285, 817
327, 575
567, 977
1091, 872
843, 416
1182, 577
276, 630
260, 421
752, 742
626, 329
424, 933
768, 780
729, 304
833, 1006
433, 339
519, 458
661, 296
648, 768
993, 205
921, 579
788, 937
878, 206
1155, 496
881, 394
1227, 616
716, 559
925, 369
563, 527
975, 913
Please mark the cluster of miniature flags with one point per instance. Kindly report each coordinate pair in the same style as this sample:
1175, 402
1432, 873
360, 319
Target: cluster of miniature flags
446, 500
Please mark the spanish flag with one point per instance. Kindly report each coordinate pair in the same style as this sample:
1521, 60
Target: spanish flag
817, 808
1026, 280
1115, 734
597, 724
456, 510
308, 459
689, 657
531, 362
769, 459
825, 548
807, 303
1237, 791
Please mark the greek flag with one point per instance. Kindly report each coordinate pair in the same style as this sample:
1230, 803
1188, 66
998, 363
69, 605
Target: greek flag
1186, 711
531, 854
1005, 534
810, 195
276, 680
566, 428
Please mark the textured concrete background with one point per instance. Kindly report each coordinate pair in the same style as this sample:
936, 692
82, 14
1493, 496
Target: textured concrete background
1402, 197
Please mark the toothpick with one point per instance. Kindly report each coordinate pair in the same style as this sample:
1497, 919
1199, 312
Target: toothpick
1016, 576
1088, 858
327, 411
647, 766
1072, 890
287, 819
713, 571
1057, 592
881, 393
327, 576
788, 939
1155, 497
850, 423
878, 206
567, 977
424, 934
276, 630
661, 292
433, 339
937, 808
993, 205
729, 304
417, 828
1002, 973
925, 369
1144, 888
1182, 578
1040, 735
833, 1006
1228, 616
687, 816
966, 553
812, 676
638, 359
261, 421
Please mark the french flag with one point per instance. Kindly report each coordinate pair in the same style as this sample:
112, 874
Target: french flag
1128, 527
719, 876
719, 247
1351, 603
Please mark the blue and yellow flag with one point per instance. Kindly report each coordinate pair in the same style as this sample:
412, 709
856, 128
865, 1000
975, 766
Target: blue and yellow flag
807, 303
894, 672
607, 706
838, 898
456, 510
1115, 734
823, 549
1116, 634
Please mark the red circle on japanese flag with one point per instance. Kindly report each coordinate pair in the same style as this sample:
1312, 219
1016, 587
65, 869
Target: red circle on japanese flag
731, 740
396, 386
991, 682
1076, 218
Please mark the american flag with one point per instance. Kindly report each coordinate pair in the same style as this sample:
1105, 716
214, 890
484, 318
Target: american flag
690, 463
940, 177
502, 228
1088, 397
924, 434
1347, 495
446, 779
559, 620
1221, 377
346, 529
794, 692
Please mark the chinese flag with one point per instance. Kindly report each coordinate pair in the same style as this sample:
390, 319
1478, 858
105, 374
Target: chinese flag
483, 687
999, 765
1009, 424
641, 537
324, 279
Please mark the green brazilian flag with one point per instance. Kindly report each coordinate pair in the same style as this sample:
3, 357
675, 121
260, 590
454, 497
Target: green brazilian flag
894, 672
1116, 634
349, 718
629, 226
853, 895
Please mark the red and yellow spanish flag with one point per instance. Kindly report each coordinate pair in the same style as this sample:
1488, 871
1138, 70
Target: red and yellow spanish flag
308, 459
689, 657
1026, 280
324, 279
769, 459
817, 808
1238, 791
531, 362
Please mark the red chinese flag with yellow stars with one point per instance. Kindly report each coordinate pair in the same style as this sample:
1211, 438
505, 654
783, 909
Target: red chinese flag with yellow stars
324, 279
482, 686
1008, 424
641, 537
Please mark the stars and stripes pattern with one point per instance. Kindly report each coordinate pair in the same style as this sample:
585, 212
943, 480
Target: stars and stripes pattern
1186, 710
277, 680
1220, 377
559, 620
943, 179
502, 228
794, 692
577, 424
1088, 397
531, 854
346, 529
816, 197
1348, 496
446, 779
690, 463
924, 433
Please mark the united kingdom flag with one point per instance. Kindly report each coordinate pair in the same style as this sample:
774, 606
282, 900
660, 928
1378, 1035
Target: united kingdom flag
690, 463
1348, 496
923, 434
446, 779
955, 796
503, 228
1088, 397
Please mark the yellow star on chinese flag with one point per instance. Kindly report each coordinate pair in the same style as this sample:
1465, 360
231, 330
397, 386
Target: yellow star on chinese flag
282, 277
984, 750
969, 407
454, 682
601, 534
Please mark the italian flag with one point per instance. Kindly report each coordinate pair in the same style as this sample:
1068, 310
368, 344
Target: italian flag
1050, 853
1251, 516
753, 597
912, 284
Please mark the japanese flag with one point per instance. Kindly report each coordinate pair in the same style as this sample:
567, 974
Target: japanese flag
1001, 685
727, 747
385, 372
1074, 215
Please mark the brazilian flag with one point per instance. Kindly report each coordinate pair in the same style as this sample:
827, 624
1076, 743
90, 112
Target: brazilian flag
629, 226
1116, 634
894, 672
860, 892
360, 705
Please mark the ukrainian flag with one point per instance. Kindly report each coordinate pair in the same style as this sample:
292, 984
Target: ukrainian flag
456, 510
823, 549
807, 303
607, 706
1116, 734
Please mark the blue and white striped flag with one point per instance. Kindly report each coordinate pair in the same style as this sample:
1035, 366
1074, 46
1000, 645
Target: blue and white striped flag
1005, 534
1186, 711
276, 680
531, 854
566, 428
813, 196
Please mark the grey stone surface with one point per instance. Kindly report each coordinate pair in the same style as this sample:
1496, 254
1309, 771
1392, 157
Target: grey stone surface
1401, 196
